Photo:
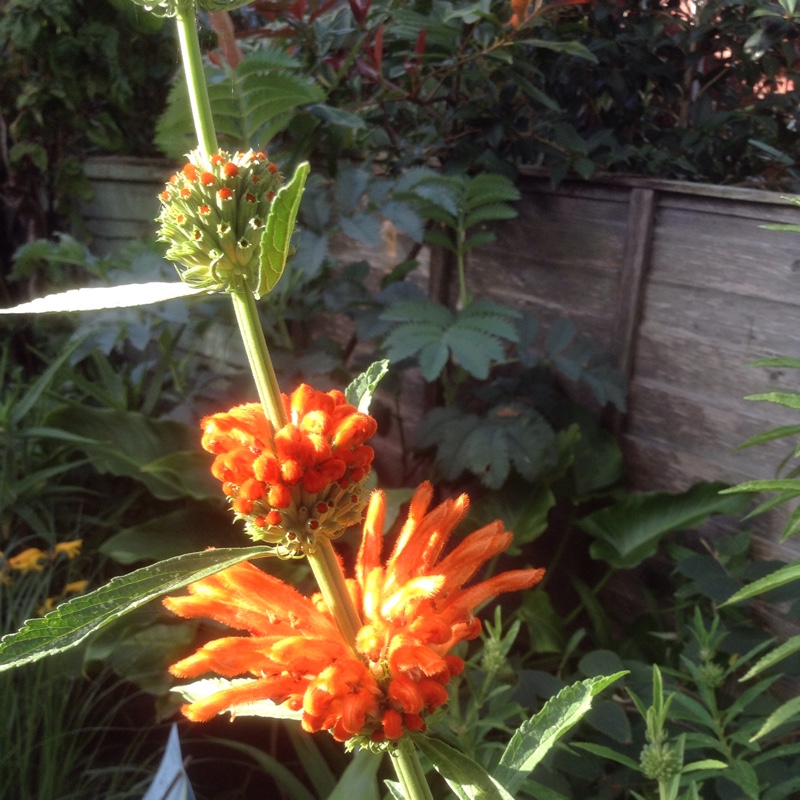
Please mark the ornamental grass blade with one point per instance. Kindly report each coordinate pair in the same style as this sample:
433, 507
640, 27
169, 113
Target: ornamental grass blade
468, 779
278, 231
535, 737
71, 622
99, 298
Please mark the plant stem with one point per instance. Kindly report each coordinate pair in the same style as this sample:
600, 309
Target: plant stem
255, 345
330, 578
195, 79
409, 771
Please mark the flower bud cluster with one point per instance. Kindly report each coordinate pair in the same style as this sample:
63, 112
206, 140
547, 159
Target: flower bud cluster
660, 761
213, 213
299, 482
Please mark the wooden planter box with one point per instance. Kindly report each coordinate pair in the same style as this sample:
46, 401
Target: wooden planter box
125, 202
679, 281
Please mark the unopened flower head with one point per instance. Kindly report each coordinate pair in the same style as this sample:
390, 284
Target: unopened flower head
213, 213
302, 481
414, 609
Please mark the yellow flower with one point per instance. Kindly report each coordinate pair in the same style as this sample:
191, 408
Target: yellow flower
71, 549
30, 560
76, 587
47, 606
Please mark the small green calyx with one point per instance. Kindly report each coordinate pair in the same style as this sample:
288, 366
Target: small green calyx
213, 213
659, 761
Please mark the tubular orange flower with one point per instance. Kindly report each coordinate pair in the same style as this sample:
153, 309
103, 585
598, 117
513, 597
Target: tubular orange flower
302, 481
414, 609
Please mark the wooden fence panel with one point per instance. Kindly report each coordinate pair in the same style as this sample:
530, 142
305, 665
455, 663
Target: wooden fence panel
680, 282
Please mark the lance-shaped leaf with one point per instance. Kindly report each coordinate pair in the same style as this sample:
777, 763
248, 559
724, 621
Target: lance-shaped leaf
534, 738
71, 622
278, 231
782, 576
103, 297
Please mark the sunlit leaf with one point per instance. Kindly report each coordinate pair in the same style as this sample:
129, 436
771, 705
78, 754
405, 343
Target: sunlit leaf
359, 392
536, 736
787, 574
71, 622
276, 241
103, 297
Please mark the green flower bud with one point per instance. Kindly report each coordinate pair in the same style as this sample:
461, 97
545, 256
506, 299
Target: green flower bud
710, 675
659, 762
213, 212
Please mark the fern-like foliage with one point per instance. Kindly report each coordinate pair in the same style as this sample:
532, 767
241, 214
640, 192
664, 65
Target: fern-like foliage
489, 446
250, 104
473, 337
459, 203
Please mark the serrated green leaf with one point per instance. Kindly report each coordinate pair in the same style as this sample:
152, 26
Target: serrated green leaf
489, 213
777, 361
789, 647
249, 105
438, 237
630, 530
486, 450
787, 574
479, 238
788, 485
71, 622
277, 237
473, 349
432, 359
489, 188
361, 389
535, 737
409, 339
496, 324
788, 399
419, 311
770, 435
465, 776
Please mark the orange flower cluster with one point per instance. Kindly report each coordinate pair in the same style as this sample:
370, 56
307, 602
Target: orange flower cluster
414, 609
301, 481
213, 213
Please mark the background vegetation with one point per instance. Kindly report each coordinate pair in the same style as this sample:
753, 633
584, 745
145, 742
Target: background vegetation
420, 114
